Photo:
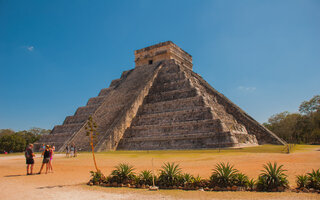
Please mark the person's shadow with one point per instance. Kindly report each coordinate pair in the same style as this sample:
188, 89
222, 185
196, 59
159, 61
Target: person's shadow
16, 175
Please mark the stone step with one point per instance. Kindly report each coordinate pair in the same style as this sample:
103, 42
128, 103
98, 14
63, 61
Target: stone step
173, 85
105, 91
173, 136
96, 100
67, 128
76, 119
170, 95
172, 105
170, 69
192, 114
86, 110
207, 125
196, 141
168, 77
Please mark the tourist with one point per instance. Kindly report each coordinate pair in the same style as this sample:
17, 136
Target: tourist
67, 150
75, 150
29, 158
51, 149
46, 159
72, 150
43, 148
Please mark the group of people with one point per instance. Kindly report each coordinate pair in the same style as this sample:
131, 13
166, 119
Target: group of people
71, 150
47, 154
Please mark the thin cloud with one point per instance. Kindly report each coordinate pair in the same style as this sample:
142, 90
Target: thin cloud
30, 48
246, 89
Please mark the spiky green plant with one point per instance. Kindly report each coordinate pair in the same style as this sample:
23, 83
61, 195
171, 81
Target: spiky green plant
96, 176
123, 173
314, 179
223, 175
145, 177
250, 184
169, 174
272, 177
241, 180
196, 181
302, 181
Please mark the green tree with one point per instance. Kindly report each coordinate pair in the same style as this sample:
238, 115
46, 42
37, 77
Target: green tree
313, 105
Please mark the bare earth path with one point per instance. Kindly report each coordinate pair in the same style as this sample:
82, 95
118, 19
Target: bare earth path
71, 174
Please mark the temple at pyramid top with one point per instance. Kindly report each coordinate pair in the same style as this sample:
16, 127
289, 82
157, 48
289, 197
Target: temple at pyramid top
162, 51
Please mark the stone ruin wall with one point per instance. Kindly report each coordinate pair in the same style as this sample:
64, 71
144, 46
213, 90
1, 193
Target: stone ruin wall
163, 51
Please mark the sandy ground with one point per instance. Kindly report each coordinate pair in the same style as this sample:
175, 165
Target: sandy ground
71, 174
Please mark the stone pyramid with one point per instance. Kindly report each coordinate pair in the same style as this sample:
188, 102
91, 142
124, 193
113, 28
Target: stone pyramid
161, 104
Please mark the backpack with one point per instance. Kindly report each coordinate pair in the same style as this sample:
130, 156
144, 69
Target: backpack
26, 154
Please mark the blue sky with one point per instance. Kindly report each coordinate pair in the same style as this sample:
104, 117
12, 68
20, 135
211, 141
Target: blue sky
54, 55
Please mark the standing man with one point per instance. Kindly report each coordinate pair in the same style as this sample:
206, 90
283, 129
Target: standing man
29, 158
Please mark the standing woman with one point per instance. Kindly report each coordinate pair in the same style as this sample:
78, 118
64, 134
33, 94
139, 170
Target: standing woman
51, 149
46, 159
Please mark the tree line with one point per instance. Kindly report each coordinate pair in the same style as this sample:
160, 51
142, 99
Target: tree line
299, 128
11, 141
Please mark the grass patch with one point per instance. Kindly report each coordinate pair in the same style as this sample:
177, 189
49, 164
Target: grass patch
201, 152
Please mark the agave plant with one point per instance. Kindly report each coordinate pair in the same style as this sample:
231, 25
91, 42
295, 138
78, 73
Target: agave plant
196, 181
241, 180
97, 176
272, 177
122, 173
169, 174
302, 181
314, 179
145, 177
250, 184
223, 175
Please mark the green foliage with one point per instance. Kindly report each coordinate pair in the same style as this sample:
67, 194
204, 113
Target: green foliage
186, 179
169, 174
123, 173
145, 177
302, 181
241, 180
223, 175
11, 141
303, 127
250, 184
196, 181
313, 105
272, 177
96, 176
314, 179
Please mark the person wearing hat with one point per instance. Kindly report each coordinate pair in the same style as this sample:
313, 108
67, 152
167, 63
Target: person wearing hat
46, 159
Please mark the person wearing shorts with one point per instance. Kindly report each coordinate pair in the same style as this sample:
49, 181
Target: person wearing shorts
46, 159
29, 159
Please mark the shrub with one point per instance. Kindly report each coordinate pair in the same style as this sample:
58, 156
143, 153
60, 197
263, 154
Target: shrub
97, 177
145, 177
197, 181
169, 174
314, 179
223, 175
272, 177
302, 181
250, 184
185, 179
241, 180
123, 173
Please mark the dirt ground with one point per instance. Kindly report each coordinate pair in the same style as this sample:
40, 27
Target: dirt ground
71, 174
